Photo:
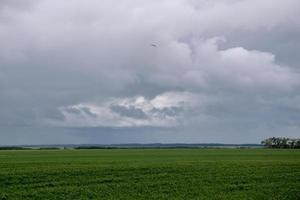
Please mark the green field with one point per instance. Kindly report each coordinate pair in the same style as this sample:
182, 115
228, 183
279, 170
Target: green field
150, 174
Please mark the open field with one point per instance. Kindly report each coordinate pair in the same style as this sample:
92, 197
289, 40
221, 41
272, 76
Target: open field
150, 174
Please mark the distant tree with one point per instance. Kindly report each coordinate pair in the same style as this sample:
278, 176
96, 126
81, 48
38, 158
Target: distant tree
267, 142
284, 143
281, 142
291, 143
277, 142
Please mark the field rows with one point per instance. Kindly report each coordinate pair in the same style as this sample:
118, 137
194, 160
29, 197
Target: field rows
150, 174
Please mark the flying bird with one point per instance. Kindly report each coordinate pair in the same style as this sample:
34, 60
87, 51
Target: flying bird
153, 45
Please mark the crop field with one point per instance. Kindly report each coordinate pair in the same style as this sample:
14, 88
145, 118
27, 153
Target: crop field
150, 174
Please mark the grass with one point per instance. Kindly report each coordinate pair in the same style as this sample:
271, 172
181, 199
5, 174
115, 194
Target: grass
150, 174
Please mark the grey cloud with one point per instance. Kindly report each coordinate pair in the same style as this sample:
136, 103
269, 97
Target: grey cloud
87, 111
71, 110
17, 4
79, 111
163, 110
170, 111
239, 56
130, 111
133, 112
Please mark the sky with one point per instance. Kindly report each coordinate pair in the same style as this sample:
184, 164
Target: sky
147, 71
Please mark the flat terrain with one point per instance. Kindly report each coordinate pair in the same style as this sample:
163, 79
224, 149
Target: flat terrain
150, 174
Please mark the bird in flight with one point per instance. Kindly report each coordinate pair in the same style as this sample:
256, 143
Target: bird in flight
153, 45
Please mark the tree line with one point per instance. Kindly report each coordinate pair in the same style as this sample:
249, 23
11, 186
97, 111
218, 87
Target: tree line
282, 143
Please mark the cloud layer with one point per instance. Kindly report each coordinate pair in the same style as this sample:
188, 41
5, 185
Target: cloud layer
221, 71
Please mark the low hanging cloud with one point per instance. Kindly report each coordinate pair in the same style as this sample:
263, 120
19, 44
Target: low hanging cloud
165, 110
217, 66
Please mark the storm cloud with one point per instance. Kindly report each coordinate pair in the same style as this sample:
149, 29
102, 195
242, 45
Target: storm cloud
220, 71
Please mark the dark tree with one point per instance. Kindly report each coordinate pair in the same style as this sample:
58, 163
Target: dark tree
281, 142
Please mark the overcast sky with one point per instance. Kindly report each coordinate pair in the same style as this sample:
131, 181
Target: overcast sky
148, 71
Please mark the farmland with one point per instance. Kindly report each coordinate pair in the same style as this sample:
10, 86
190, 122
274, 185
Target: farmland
150, 174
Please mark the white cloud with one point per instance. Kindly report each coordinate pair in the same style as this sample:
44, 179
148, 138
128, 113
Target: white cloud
164, 110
